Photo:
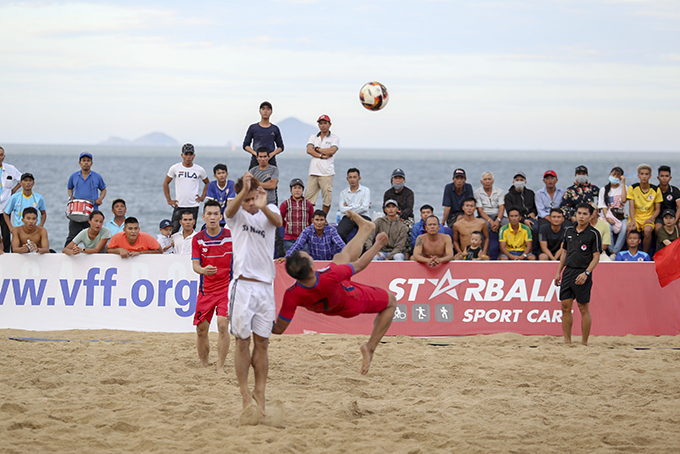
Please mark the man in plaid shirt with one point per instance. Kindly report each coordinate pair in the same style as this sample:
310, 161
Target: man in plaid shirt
297, 213
322, 240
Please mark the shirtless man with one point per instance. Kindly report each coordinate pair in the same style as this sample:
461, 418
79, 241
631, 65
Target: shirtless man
30, 237
433, 247
329, 290
462, 230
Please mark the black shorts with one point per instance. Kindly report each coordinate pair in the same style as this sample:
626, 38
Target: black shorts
569, 289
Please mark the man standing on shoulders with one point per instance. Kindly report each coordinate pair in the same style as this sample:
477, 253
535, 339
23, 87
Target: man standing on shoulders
211, 258
464, 228
582, 191
548, 197
490, 201
297, 213
117, 224
220, 189
396, 231
670, 196
131, 242
402, 195
84, 185
30, 237
322, 148
454, 194
181, 241
319, 239
582, 247
252, 221
24, 199
9, 184
188, 177
433, 248
356, 198
263, 134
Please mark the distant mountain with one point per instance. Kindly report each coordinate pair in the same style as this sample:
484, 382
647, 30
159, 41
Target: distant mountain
155, 139
296, 133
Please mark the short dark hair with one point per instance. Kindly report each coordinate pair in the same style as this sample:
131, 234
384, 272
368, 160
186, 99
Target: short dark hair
586, 205
254, 184
469, 199
319, 213
220, 167
131, 220
639, 234
354, 169
97, 212
514, 209
298, 266
181, 215
427, 207
29, 210
113, 204
556, 210
665, 169
432, 216
211, 203
262, 150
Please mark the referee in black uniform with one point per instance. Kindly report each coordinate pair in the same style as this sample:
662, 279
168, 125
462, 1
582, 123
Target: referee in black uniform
583, 245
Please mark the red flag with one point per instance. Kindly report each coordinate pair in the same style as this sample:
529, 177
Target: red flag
667, 262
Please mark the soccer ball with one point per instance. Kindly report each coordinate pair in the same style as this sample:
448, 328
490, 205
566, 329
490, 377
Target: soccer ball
373, 96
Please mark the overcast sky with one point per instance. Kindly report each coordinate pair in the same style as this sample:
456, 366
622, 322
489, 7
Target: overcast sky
544, 74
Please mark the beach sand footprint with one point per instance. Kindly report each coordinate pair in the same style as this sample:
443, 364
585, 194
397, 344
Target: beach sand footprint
250, 416
276, 414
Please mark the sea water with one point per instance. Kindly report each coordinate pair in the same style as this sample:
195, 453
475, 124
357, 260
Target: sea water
136, 174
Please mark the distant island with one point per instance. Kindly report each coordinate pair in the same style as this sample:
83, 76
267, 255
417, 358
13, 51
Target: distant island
295, 133
155, 139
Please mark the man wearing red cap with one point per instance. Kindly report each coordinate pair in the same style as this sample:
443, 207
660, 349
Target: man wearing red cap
549, 196
322, 148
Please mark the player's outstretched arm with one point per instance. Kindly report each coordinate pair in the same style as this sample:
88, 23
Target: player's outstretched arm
380, 241
280, 325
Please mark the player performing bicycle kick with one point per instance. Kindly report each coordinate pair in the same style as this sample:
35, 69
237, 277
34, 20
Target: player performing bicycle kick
329, 290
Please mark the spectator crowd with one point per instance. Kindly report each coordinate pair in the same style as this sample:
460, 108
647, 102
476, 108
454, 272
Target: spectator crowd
482, 223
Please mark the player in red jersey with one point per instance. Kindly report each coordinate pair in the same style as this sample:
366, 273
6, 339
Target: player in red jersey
329, 290
211, 258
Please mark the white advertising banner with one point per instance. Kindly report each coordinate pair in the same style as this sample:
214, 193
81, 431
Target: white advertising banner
103, 291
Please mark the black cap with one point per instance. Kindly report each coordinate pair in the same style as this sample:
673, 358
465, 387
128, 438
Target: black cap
27, 175
296, 181
666, 212
581, 169
266, 103
459, 173
187, 148
398, 173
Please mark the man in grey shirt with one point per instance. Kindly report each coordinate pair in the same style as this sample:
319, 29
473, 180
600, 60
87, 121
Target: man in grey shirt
491, 203
268, 176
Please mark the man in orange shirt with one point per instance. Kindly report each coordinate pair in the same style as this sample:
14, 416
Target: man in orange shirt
131, 242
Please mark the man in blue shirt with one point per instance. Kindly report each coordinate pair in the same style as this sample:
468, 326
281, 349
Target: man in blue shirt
322, 240
419, 227
549, 196
84, 185
263, 134
220, 189
633, 254
117, 224
23, 199
454, 194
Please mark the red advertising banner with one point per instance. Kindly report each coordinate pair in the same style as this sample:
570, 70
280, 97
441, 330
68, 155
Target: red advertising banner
464, 298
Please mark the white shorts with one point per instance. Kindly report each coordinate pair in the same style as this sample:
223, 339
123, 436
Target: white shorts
252, 308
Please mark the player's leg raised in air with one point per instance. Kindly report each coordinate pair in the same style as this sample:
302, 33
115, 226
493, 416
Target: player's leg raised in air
352, 250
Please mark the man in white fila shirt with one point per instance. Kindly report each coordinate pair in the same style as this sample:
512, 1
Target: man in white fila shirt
252, 308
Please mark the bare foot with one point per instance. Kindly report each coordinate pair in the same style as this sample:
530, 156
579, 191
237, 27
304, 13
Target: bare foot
250, 416
205, 363
367, 354
361, 222
567, 342
220, 369
259, 397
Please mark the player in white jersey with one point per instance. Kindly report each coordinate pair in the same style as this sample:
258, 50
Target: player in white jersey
252, 307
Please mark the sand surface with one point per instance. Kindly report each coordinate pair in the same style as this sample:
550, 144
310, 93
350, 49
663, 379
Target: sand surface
478, 394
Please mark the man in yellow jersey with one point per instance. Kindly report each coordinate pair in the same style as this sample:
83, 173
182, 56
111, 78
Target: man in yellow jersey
515, 239
645, 205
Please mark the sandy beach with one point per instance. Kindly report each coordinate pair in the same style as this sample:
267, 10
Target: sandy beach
498, 393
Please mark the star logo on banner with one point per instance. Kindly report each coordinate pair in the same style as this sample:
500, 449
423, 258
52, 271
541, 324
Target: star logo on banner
445, 285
